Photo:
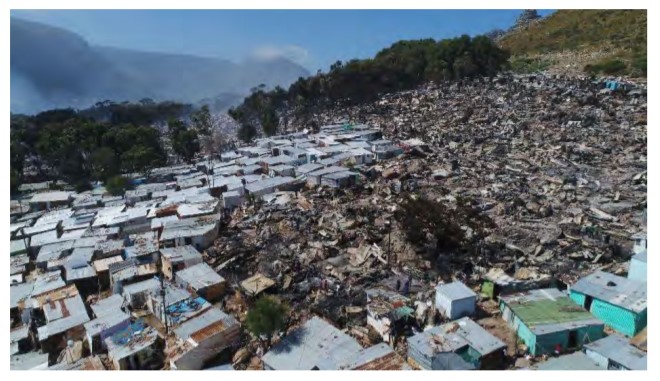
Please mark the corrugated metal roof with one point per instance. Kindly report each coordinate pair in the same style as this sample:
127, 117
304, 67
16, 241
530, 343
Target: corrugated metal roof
19, 292
272, 182
98, 325
574, 361
140, 287
133, 339
455, 291
50, 197
221, 367
315, 344
307, 168
548, 310
63, 315
616, 290
451, 337
180, 253
326, 171
205, 325
109, 305
377, 357
199, 276
617, 348
640, 257
47, 282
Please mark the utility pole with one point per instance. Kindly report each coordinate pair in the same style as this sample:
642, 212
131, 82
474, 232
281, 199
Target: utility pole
389, 241
162, 295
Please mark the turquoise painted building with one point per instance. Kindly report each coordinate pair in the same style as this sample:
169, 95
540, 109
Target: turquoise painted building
619, 302
546, 319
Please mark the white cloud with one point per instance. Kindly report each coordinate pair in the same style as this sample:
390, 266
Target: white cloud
293, 52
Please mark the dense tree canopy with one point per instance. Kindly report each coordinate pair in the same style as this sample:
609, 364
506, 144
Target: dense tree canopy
266, 317
402, 66
94, 144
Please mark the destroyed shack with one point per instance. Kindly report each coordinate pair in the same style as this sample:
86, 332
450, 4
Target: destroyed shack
378, 357
256, 284
388, 312
546, 320
463, 337
455, 300
496, 282
619, 302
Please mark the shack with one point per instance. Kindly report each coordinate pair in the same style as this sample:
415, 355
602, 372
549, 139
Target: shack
462, 337
615, 352
204, 336
638, 269
547, 320
199, 232
455, 300
99, 329
178, 258
49, 200
620, 302
316, 345
203, 280
136, 347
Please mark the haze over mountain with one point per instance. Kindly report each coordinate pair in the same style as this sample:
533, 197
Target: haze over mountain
52, 67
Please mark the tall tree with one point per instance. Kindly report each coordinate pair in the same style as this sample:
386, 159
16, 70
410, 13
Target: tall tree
266, 317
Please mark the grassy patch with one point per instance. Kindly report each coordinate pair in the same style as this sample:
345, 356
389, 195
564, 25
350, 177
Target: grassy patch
528, 65
608, 66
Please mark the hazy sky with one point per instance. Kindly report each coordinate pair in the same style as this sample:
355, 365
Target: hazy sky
312, 38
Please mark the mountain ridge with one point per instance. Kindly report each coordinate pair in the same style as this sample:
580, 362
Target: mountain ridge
54, 67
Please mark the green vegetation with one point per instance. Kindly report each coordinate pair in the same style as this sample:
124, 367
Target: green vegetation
621, 33
403, 66
608, 66
266, 317
185, 141
117, 185
94, 144
528, 65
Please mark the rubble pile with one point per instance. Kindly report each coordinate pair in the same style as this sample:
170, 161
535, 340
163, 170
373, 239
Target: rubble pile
558, 163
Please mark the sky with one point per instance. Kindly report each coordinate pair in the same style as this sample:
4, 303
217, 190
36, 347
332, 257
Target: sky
313, 38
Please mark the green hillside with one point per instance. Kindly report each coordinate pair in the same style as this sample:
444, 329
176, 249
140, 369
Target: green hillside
602, 41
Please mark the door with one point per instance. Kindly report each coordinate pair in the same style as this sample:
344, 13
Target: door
572, 339
587, 302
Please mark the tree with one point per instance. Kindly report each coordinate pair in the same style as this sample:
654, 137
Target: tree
117, 185
202, 121
267, 317
105, 163
185, 141
247, 132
